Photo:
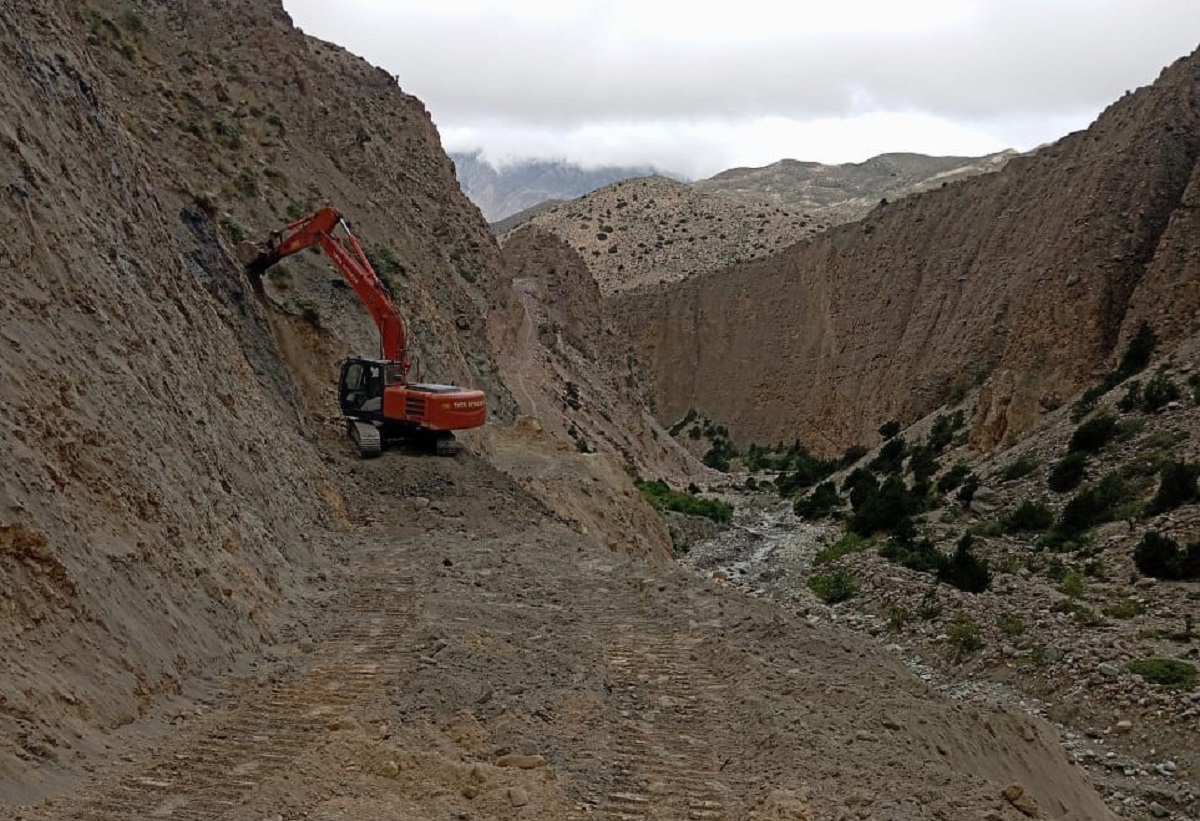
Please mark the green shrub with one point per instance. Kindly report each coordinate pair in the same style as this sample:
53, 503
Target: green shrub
1161, 557
1029, 517
1177, 487
1094, 505
659, 494
1093, 434
964, 570
941, 434
1159, 392
821, 503
232, 231
689, 418
850, 542
952, 478
1170, 673
891, 456
860, 484
1011, 624
1019, 469
920, 555
1124, 609
1073, 585
883, 509
964, 635
1138, 352
834, 587
853, 454
1067, 473
1132, 400
967, 491
930, 607
898, 617
889, 429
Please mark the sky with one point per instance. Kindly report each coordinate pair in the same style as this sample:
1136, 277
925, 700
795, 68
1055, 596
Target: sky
694, 88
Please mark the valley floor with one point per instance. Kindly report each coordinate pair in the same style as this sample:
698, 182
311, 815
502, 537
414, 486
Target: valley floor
471, 657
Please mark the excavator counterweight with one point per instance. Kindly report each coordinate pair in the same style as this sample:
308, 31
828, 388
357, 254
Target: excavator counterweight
375, 395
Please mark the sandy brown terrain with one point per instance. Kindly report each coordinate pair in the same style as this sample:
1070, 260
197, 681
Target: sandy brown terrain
467, 656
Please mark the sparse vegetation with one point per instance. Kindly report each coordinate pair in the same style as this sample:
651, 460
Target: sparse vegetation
232, 230
1170, 673
1011, 625
659, 494
1161, 557
1029, 517
309, 312
1093, 505
1135, 360
1019, 469
1124, 609
834, 587
847, 544
964, 635
1093, 434
824, 501
1067, 473
1176, 487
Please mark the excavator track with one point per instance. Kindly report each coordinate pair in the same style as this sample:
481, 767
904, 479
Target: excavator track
446, 445
366, 437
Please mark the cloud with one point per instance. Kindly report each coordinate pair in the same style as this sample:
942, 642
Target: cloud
604, 74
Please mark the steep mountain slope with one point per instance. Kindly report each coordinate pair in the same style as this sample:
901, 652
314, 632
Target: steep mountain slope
162, 491
1027, 279
654, 229
510, 189
442, 643
643, 231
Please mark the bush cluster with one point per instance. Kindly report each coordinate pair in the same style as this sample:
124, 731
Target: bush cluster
833, 587
661, 496
1161, 557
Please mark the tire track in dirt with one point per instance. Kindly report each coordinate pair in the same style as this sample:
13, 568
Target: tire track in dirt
669, 703
210, 770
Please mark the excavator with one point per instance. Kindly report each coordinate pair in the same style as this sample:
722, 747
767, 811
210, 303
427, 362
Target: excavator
378, 402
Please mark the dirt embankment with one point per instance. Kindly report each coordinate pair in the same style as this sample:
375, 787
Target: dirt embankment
1029, 278
469, 656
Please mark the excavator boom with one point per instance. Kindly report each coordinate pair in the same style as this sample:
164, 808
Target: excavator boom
375, 395
353, 264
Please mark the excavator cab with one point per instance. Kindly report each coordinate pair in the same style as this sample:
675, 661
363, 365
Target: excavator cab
360, 388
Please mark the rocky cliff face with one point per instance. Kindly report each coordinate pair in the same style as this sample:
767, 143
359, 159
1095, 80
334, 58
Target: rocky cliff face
1028, 280
161, 487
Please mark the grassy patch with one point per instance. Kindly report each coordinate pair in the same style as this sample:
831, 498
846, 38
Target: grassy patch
1170, 673
850, 542
659, 494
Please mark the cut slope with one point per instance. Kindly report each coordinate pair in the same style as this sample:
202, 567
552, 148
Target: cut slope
1027, 278
161, 489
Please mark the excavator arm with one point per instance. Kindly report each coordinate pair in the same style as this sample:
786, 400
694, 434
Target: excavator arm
350, 260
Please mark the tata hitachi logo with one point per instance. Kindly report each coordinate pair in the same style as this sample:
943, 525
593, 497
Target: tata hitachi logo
475, 403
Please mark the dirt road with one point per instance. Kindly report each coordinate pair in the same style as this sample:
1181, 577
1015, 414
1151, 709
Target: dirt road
472, 658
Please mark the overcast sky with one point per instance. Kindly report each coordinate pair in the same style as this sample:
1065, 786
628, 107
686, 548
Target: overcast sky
696, 87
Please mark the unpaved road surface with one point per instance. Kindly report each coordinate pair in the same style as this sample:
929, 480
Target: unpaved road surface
469, 657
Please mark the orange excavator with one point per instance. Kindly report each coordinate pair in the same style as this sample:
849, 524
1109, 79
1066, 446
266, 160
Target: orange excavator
379, 403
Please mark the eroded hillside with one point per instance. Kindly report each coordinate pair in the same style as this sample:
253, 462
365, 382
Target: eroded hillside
162, 489
653, 229
213, 609
1026, 280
